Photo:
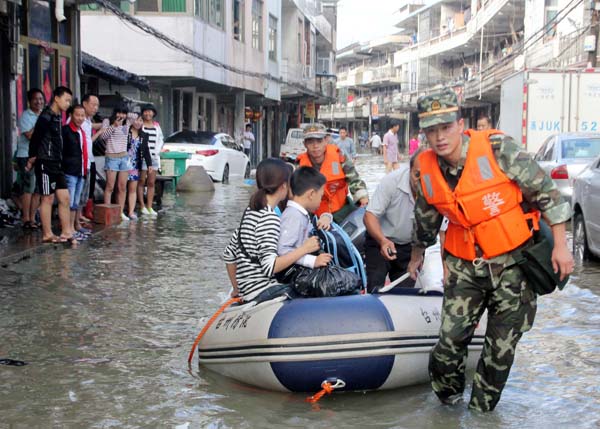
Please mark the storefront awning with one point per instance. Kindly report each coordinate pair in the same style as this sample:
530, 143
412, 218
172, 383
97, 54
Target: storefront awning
96, 67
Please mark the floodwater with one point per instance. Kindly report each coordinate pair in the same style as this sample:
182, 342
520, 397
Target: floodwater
106, 330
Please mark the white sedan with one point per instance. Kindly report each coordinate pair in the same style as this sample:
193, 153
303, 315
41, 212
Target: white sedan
219, 154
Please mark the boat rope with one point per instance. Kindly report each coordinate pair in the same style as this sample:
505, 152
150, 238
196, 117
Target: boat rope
327, 389
208, 325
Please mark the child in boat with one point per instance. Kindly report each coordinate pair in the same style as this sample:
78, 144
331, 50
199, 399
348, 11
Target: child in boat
251, 255
307, 186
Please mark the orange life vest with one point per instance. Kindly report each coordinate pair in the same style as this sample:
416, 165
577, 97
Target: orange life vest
484, 209
336, 188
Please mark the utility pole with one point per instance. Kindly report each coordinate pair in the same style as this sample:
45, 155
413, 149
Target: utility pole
370, 116
594, 31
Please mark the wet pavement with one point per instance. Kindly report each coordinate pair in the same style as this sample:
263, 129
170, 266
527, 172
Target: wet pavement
106, 329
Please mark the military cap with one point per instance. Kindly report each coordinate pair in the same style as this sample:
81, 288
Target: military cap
314, 131
439, 108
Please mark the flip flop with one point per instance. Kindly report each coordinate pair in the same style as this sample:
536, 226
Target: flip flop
30, 226
52, 240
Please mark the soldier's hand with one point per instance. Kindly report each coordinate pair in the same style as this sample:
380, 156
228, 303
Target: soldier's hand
387, 249
562, 260
415, 265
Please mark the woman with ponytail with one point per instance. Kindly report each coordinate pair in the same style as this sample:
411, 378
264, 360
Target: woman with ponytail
251, 255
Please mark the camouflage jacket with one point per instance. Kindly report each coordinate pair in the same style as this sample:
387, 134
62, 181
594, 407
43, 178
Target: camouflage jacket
539, 191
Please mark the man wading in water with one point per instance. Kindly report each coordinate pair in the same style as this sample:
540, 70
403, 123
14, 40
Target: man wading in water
487, 175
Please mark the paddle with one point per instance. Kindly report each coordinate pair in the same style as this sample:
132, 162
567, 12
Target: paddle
394, 283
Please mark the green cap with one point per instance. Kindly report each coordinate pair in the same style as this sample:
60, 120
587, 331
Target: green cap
314, 131
439, 108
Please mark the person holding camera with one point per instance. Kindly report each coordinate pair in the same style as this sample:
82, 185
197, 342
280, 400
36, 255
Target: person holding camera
117, 162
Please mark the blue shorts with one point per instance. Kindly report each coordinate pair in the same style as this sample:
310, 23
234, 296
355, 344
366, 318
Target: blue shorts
117, 164
75, 187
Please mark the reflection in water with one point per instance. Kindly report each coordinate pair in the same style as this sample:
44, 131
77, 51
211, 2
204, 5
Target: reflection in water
106, 329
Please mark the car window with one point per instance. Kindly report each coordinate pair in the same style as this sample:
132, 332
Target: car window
191, 137
581, 148
541, 151
230, 143
297, 134
548, 154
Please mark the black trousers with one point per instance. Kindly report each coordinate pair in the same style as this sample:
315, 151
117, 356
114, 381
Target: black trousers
378, 267
92, 179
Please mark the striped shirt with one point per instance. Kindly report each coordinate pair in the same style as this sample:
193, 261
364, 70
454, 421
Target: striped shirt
155, 141
115, 138
259, 234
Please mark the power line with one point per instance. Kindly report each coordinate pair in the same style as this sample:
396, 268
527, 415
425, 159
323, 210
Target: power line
539, 33
173, 44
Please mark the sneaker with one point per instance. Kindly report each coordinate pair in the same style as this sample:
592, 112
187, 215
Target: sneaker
144, 211
133, 216
123, 217
83, 230
152, 212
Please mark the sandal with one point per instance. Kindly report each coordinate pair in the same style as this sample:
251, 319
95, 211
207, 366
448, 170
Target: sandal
30, 226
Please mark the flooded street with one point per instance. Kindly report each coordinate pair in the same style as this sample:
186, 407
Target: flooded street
106, 330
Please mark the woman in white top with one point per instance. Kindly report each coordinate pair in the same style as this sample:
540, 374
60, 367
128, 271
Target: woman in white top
155, 144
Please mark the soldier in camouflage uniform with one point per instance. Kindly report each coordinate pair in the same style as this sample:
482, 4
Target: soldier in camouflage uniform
316, 144
497, 284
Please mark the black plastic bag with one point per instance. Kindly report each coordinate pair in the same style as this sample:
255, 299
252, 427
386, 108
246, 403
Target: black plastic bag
326, 281
536, 263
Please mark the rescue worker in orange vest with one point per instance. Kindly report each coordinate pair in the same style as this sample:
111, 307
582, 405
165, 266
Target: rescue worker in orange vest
342, 177
492, 193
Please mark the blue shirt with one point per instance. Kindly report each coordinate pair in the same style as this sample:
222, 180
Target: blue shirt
347, 146
26, 124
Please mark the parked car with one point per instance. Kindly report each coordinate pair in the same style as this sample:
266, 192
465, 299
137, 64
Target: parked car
586, 212
564, 156
219, 154
293, 145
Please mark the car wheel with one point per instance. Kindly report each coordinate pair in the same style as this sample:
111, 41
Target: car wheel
247, 172
225, 178
581, 251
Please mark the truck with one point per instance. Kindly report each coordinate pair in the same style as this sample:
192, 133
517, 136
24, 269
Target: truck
535, 104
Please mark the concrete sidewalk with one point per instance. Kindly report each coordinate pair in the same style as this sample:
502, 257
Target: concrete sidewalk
17, 244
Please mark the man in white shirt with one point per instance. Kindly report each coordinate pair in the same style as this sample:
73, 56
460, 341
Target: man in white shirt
375, 143
248, 139
389, 222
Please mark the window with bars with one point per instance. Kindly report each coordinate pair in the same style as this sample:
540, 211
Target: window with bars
257, 6
272, 38
550, 11
238, 20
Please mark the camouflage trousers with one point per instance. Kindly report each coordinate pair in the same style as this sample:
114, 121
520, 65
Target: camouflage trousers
511, 306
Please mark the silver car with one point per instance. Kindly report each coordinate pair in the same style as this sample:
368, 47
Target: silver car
564, 156
586, 212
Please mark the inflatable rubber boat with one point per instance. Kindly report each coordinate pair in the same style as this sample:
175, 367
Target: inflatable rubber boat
358, 342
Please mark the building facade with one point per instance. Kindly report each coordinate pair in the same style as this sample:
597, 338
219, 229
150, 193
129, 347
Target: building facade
38, 49
309, 59
236, 69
